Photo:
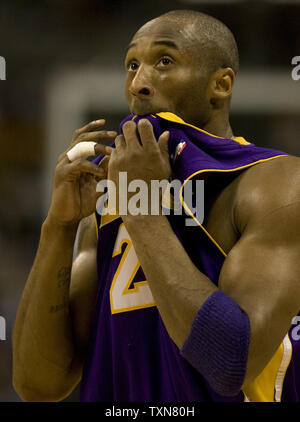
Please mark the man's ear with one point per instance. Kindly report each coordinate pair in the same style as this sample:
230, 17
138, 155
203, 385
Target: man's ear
221, 85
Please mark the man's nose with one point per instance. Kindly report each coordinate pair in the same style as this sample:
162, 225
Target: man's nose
140, 85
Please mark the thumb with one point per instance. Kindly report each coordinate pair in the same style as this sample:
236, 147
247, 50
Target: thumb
104, 163
163, 142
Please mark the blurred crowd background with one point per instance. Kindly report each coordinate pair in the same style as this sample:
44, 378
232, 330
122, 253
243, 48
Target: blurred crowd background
64, 67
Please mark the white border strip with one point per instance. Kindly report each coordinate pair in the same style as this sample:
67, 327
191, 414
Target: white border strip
286, 358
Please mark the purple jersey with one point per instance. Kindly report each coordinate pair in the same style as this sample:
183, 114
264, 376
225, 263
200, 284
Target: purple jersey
131, 357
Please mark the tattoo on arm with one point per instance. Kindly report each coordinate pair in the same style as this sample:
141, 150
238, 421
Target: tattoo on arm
63, 280
59, 307
64, 276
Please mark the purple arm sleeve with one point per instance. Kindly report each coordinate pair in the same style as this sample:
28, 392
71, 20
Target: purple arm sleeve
218, 343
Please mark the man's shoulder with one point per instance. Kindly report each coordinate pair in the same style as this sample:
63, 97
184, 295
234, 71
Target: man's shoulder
273, 172
266, 187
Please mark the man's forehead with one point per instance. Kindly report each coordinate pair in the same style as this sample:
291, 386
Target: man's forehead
162, 28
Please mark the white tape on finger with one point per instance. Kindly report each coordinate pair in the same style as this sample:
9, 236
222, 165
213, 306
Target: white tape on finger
81, 150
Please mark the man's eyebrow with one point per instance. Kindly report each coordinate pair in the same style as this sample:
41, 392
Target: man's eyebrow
167, 43
131, 45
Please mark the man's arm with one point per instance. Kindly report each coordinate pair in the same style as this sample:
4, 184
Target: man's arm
261, 274
217, 322
178, 287
48, 339
53, 318
83, 288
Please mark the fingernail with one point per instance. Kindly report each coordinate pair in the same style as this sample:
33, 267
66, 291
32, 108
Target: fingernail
112, 133
99, 121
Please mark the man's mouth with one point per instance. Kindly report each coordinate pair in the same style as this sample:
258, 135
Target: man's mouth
144, 107
143, 111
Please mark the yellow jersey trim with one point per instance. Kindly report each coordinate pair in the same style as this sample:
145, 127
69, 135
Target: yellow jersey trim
173, 118
261, 389
108, 218
268, 385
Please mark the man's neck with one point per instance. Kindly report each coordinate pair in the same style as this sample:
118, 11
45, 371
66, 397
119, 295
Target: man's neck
220, 128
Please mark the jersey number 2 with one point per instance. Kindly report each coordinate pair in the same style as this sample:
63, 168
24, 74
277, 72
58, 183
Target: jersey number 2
123, 298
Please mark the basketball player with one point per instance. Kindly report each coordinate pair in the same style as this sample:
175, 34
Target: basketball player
150, 309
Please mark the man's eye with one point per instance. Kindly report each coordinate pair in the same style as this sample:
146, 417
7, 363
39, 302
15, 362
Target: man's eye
165, 61
132, 66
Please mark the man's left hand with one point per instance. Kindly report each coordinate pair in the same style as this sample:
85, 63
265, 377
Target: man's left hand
146, 160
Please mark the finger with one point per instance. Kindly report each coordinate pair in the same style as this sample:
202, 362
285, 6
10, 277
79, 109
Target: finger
81, 150
91, 180
103, 149
131, 135
104, 163
91, 137
95, 124
145, 130
103, 135
83, 166
163, 142
120, 142
96, 137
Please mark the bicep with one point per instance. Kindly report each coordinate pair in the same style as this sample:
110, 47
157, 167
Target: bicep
261, 273
83, 287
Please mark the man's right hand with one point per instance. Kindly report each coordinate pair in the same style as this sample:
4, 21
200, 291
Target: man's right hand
74, 193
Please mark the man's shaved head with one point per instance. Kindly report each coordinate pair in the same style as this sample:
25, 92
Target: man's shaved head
212, 39
183, 62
